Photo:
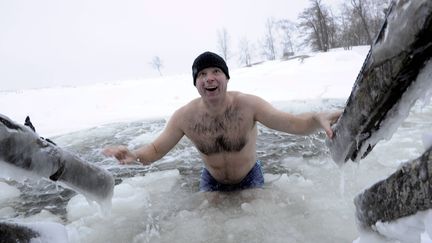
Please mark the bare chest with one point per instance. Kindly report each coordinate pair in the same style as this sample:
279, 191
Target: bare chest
227, 132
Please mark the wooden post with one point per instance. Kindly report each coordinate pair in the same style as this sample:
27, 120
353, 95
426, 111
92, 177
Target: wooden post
403, 193
21, 147
389, 82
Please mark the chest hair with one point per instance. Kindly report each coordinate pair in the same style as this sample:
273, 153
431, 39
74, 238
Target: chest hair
223, 133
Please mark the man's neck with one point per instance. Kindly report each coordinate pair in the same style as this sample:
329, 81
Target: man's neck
217, 106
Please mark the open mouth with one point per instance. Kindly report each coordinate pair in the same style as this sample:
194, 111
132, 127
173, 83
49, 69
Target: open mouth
211, 88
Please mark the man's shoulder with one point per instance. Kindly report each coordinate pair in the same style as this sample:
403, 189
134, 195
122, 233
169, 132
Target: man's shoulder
239, 96
192, 104
189, 107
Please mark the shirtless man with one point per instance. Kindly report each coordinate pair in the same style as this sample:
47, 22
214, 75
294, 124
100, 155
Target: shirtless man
223, 127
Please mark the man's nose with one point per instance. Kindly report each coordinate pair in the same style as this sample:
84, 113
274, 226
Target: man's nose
210, 77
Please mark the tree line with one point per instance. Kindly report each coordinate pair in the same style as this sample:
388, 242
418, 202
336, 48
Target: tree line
357, 22
318, 27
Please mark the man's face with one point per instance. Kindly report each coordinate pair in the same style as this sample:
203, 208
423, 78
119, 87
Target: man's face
211, 82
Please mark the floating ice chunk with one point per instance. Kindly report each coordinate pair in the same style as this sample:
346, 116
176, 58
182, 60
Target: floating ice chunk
49, 232
410, 229
427, 140
43, 215
428, 223
161, 181
406, 232
297, 179
247, 207
39, 231
7, 212
133, 200
7, 192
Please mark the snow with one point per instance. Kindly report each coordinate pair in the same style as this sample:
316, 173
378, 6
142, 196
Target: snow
59, 110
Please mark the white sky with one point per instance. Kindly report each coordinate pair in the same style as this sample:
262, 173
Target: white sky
59, 42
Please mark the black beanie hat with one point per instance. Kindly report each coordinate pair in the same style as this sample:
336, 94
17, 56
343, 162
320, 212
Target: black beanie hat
206, 60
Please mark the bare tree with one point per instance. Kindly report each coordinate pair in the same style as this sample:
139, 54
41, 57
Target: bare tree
287, 28
245, 56
157, 64
316, 23
376, 11
223, 43
358, 6
269, 50
322, 23
333, 30
361, 20
352, 29
347, 36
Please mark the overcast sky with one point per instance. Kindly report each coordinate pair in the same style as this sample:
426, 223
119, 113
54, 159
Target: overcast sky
59, 42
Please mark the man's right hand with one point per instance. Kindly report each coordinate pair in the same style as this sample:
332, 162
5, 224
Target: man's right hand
121, 153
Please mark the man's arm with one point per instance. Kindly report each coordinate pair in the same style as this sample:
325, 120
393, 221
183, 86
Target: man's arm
301, 124
149, 153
